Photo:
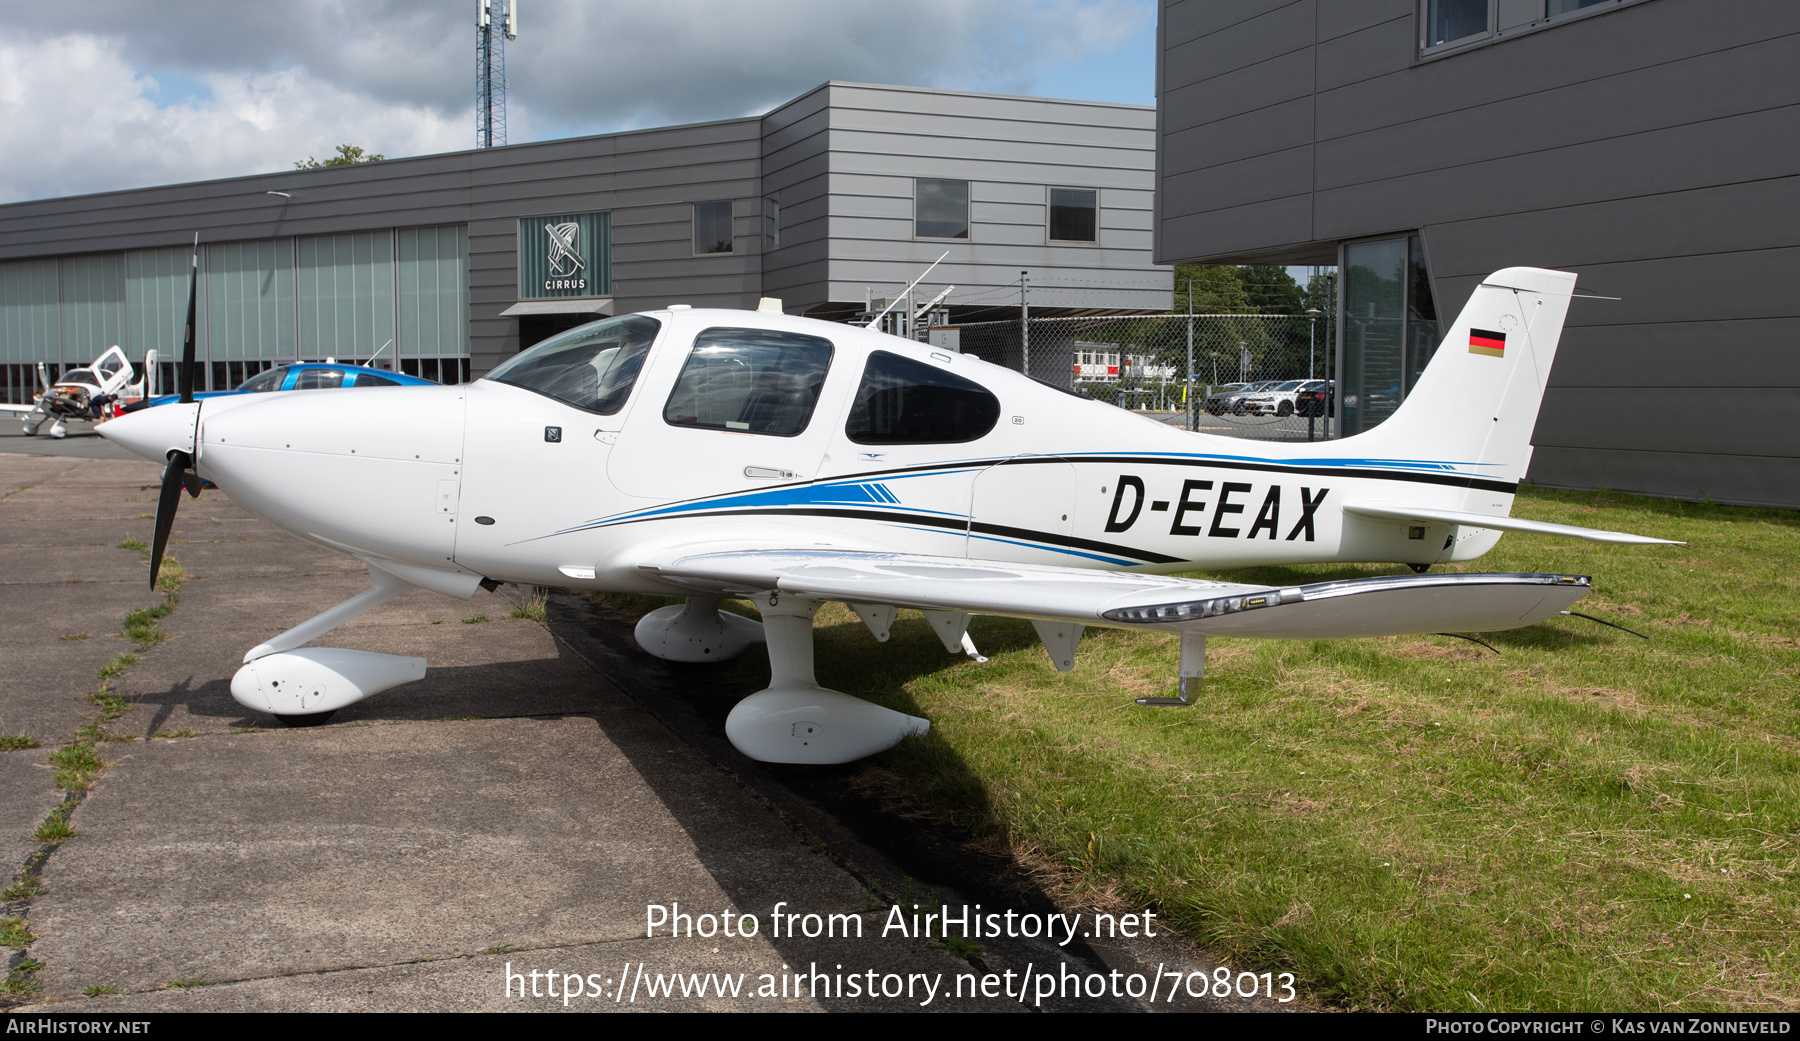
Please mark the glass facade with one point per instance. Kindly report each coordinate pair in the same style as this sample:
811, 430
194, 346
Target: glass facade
1389, 327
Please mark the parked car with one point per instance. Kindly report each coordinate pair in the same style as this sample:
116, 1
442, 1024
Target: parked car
304, 376
1229, 398
1281, 399
1317, 400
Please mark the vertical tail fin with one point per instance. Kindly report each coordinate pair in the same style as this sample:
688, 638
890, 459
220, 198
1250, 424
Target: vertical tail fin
1477, 401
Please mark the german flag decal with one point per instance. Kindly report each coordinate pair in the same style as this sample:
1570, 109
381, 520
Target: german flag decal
1488, 342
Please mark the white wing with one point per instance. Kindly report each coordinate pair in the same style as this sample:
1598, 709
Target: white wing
18, 410
1382, 606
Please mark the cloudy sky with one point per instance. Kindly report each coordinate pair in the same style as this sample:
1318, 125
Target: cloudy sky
107, 94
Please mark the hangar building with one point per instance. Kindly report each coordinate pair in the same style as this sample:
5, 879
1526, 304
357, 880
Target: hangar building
1651, 146
448, 264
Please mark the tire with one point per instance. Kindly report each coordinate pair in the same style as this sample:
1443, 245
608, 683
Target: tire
305, 719
1285, 409
1240, 408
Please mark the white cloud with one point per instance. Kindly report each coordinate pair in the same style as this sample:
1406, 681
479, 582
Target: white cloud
78, 101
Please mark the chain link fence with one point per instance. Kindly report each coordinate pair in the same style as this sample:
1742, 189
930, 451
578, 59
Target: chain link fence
1267, 377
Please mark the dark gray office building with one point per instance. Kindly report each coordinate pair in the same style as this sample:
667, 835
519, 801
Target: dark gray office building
444, 265
1651, 146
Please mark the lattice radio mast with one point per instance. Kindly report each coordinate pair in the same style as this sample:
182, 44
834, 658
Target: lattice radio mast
490, 70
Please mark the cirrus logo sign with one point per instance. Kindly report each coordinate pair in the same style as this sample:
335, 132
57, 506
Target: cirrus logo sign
564, 259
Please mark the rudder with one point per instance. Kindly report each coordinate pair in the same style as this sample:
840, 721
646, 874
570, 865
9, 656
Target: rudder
1477, 402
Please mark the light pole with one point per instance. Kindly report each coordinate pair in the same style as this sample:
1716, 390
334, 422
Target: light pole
1312, 323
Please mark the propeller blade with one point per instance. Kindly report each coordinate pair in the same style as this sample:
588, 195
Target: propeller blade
187, 335
190, 479
174, 476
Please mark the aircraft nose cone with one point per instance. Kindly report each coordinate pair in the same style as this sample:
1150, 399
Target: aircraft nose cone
155, 432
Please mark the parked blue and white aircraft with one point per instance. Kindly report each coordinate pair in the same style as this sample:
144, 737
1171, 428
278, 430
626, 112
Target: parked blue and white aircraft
717, 453
314, 375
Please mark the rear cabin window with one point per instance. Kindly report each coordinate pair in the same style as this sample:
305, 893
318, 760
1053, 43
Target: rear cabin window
907, 402
757, 381
592, 366
319, 379
369, 379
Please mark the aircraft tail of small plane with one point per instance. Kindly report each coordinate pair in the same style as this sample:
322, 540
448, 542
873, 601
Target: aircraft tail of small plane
1477, 402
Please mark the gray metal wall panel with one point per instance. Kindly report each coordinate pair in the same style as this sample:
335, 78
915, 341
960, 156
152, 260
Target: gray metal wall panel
1755, 480
1760, 144
1340, 19
1285, 125
1683, 223
1749, 352
1641, 37
1352, 57
1671, 94
1720, 421
1270, 35
1264, 177
1192, 19
1248, 90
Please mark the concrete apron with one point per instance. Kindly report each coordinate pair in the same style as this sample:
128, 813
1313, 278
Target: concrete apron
396, 859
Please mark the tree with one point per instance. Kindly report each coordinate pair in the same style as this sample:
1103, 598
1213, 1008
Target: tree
347, 155
1217, 289
1271, 290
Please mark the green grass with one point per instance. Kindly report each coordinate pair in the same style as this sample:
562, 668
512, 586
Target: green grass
99, 990
1586, 821
75, 636
188, 983
22, 981
25, 888
117, 666
135, 544
76, 764
55, 828
15, 933
533, 610
13, 742
475, 620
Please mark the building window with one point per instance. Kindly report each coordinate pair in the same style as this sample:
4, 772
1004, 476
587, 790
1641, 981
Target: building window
772, 222
712, 227
940, 208
1553, 8
1452, 21
1074, 215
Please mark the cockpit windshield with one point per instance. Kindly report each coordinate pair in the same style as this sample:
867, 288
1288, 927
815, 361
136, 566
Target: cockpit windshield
80, 376
591, 367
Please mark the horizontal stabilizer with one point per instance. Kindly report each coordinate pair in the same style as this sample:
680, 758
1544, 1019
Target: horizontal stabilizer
1379, 606
1402, 514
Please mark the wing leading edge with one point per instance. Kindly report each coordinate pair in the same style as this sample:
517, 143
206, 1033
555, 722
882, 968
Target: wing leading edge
1380, 606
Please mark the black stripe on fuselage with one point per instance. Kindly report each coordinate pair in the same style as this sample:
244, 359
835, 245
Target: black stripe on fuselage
958, 524
1365, 473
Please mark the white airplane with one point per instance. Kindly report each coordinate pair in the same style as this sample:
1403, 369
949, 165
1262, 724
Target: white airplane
71, 396
719, 453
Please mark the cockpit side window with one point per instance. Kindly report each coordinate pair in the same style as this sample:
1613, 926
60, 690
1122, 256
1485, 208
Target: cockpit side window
592, 367
907, 402
758, 381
